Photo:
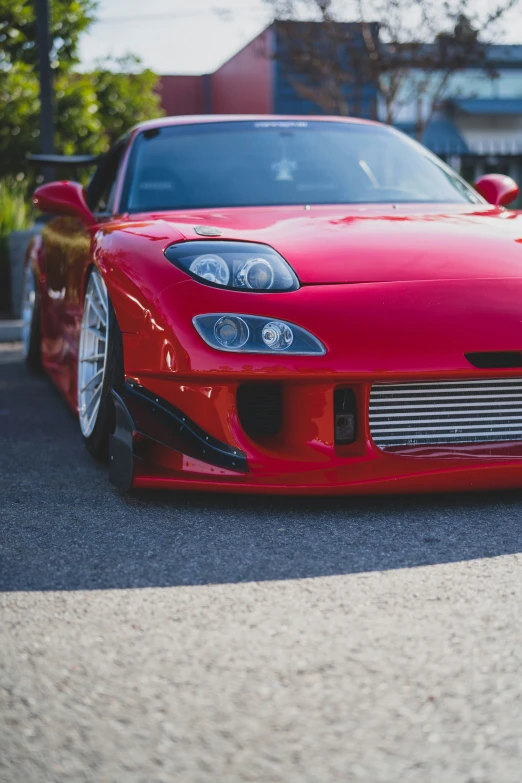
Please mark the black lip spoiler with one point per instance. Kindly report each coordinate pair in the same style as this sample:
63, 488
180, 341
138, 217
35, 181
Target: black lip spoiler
139, 411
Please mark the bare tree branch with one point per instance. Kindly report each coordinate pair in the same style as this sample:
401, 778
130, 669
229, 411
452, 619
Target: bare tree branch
408, 48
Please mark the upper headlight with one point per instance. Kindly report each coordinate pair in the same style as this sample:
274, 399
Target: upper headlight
243, 266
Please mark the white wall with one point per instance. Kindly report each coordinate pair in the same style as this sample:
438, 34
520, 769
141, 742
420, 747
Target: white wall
500, 134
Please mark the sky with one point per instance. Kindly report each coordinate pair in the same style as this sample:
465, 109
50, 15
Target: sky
174, 36
194, 36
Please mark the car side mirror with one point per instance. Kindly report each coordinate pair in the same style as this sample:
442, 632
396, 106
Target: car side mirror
64, 198
497, 189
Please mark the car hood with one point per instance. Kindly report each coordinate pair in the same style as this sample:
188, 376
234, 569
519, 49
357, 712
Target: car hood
367, 244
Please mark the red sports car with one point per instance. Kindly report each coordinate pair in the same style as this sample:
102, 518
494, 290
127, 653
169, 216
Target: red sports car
284, 305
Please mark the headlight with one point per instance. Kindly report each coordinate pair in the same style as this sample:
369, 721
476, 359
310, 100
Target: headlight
239, 265
254, 334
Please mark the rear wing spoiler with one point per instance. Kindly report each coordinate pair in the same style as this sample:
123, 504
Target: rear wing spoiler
64, 160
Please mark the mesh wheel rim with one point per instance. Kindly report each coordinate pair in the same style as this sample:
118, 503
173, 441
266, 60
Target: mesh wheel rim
92, 356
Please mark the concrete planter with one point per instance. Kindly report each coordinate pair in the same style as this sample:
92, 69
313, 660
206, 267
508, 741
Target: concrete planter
17, 247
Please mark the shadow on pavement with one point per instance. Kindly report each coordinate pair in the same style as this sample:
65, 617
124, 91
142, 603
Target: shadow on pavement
63, 527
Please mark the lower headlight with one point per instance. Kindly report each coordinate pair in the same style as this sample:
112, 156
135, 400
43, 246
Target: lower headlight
255, 334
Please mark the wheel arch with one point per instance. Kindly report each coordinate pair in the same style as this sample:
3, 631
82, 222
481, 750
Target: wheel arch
126, 298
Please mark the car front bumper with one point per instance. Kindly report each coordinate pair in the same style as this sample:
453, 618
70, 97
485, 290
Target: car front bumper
376, 333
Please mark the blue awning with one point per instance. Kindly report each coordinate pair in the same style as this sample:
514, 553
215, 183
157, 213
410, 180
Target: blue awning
444, 138
488, 106
441, 136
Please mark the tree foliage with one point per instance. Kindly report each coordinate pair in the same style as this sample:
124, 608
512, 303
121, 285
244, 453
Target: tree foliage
91, 109
68, 20
125, 94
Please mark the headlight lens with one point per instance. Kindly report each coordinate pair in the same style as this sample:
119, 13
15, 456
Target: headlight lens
231, 332
211, 268
277, 335
256, 273
243, 266
254, 334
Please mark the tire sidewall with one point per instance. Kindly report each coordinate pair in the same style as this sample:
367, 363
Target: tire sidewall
33, 353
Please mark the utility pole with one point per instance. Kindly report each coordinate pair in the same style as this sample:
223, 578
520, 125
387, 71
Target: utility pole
43, 40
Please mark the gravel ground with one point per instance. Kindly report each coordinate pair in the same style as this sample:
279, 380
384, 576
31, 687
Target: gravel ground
211, 639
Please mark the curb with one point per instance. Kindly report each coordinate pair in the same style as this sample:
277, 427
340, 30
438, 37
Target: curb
10, 331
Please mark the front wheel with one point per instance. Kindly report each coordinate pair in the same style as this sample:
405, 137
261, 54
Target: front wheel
100, 366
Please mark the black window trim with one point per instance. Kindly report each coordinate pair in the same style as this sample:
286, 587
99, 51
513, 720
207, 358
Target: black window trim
116, 151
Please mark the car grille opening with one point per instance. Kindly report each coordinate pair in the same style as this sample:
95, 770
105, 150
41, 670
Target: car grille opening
408, 414
259, 407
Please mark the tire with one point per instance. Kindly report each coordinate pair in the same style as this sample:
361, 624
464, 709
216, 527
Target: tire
31, 326
98, 376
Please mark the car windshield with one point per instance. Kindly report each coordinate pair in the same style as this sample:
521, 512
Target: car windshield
272, 162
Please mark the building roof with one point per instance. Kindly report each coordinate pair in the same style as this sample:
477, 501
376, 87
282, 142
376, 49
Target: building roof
504, 54
481, 55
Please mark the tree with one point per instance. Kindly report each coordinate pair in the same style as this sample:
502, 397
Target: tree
68, 20
125, 94
409, 49
77, 126
91, 109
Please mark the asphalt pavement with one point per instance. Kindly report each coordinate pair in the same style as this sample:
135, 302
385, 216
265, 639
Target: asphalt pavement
213, 639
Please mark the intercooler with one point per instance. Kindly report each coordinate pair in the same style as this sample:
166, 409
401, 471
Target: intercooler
408, 414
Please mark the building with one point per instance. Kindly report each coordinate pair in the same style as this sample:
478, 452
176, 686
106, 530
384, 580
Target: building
477, 126
258, 79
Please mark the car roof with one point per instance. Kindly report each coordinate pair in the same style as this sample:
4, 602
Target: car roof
193, 119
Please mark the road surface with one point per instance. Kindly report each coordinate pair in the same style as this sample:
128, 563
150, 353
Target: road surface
211, 639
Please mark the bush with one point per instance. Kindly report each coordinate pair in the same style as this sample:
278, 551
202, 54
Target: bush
15, 215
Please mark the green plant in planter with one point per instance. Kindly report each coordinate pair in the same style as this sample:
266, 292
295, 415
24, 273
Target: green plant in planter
16, 214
